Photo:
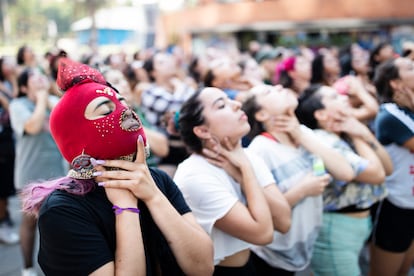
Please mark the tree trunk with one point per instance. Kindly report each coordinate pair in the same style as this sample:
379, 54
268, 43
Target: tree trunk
5, 24
93, 39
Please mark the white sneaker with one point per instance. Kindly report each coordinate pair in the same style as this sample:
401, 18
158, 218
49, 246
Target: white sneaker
7, 235
30, 271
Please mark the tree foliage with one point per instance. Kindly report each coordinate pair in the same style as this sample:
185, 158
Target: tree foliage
29, 19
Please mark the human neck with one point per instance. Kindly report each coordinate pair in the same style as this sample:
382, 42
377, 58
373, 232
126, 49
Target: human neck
330, 79
281, 137
300, 85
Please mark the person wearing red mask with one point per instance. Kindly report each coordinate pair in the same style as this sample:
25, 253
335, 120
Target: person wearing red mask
111, 214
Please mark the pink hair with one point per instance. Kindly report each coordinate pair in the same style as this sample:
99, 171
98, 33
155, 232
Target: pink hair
35, 193
288, 64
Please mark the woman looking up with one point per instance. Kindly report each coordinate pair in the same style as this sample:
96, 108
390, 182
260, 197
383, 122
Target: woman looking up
228, 188
392, 239
291, 152
131, 219
35, 147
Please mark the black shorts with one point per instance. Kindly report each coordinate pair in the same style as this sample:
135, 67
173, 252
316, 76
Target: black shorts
264, 269
246, 270
393, 227
7, 174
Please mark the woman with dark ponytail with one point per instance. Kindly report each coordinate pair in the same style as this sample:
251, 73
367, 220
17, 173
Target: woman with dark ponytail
229, 189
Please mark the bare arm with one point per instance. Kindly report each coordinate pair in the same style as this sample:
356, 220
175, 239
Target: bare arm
279, 208
380, 151
334, 162
251, 222
191, 245
34, 124
369, 106
361, 138
158, 142
129, 254
374, 172
310, 185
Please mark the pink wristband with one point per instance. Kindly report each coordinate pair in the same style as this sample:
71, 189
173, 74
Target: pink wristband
118, 210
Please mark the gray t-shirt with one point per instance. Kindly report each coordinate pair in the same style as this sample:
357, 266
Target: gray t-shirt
37, 156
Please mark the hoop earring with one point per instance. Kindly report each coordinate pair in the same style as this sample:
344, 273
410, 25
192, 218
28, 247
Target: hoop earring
81, 167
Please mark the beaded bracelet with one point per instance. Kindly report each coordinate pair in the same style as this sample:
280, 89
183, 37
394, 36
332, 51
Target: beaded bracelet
118, 210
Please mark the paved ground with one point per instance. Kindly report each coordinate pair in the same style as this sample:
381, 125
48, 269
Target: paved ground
11, 261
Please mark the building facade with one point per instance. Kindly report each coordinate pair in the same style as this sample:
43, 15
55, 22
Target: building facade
287, 21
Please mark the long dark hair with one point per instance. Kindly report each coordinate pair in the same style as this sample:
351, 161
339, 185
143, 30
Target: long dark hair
20, 55
149, 67
22, 80
309, 102
209, 78
2, 77
384, 74
191, 115
192, 69
318, 70
251, 107
375, 51
285, 80
345, 60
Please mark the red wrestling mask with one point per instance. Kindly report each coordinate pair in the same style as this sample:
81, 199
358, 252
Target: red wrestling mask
111, 136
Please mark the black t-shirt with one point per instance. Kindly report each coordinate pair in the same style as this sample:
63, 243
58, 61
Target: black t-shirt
6, 132
77, 233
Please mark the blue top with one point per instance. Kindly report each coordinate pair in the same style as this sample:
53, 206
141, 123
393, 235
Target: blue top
393, 127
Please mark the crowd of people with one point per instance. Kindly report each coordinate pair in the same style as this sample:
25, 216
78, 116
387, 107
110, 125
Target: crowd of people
267, 161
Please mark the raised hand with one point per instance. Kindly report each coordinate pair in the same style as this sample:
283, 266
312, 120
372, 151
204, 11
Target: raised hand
289, 124
355, 128
336, 120
234, 153
134, 177
405, 97
355, 86
226, 156
315, 185
41, 85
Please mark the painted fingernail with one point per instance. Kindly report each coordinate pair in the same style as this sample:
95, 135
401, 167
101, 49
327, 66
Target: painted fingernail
93, 161
101, 184
97, 173
97, 162
140, 139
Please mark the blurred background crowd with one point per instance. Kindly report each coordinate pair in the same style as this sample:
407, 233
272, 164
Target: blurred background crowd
158, 53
